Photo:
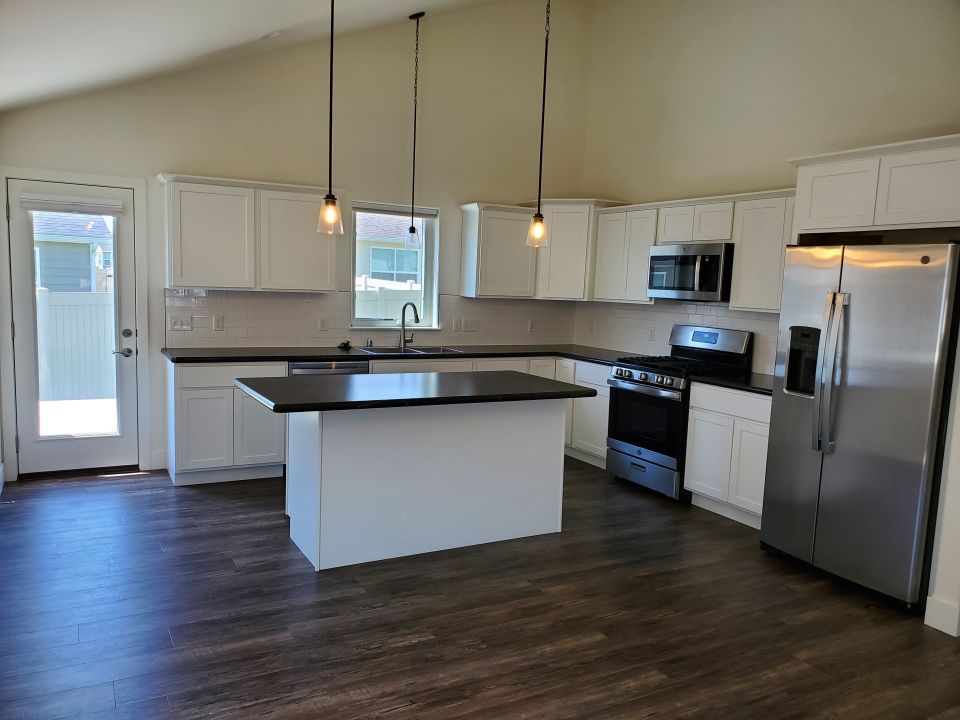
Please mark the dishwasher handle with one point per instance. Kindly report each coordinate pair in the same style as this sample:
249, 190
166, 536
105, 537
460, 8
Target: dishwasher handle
332, 367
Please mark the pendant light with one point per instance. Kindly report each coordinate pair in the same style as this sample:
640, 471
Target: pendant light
330, 221
537, 234
414, 239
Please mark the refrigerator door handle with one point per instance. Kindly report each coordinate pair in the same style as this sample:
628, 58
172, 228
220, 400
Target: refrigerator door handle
818, 376
826, 444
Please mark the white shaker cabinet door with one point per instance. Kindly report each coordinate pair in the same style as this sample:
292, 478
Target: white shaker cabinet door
919, 187
259, 434
712, 221
641, 234
675, 224
837, 195
293, 255
543, 367
562, 264
759, 235
506, 267
212, 236
204, 428
590, 416
611, 271
709, 448
748, 466
566, 372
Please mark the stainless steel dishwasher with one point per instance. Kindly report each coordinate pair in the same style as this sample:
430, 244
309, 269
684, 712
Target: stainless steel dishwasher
332, 367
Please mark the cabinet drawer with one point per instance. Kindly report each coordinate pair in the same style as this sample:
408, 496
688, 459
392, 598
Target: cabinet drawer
193, 376
490, 364
738, 403
591, 373
544, 367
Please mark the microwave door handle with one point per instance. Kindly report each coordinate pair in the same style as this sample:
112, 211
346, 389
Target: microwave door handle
818, 374
696, 274
826, 409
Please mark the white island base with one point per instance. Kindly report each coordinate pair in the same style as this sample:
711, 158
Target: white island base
379, 483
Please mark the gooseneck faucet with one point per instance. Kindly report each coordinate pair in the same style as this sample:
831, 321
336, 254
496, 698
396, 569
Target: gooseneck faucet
403, 324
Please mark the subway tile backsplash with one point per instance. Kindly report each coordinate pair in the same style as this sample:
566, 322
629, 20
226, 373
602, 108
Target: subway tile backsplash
293, 319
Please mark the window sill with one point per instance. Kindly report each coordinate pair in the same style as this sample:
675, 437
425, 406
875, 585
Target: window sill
396, 328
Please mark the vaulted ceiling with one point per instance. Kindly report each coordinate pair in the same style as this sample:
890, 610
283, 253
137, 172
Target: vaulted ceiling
50, 48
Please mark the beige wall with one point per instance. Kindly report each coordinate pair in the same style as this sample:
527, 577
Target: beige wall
698, 97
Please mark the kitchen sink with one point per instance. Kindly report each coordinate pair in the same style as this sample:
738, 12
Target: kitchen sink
438, 350
389, 351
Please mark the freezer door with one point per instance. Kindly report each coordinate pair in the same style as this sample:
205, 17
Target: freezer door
810, 282
890, 364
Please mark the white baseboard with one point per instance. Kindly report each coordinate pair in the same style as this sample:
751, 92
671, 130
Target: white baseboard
600, 462
942, 615
203, 477
726, 510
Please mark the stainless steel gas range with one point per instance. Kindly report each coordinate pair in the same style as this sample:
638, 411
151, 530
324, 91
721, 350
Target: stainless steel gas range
649, 399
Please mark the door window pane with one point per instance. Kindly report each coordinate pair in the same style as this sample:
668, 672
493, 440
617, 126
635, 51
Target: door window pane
76, 324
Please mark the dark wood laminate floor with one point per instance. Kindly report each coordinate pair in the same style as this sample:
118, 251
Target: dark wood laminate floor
124, 597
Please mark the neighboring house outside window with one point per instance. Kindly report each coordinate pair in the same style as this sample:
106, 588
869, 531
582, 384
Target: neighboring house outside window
73, 252
391, 268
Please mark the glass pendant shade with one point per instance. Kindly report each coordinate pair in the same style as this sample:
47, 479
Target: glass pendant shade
537, 234
331, 220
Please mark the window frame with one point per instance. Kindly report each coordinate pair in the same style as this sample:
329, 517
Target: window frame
429, 259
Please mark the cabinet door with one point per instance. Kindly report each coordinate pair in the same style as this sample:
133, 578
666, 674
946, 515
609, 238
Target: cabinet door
610, 278
709, 449
641, 234
378, 367
293, 256
748, 465
712, 221
919, 187
517, 364
837, 195
543, 367
675, 224
758, 231
590, 416
566, 372
211, 236
259, 434
204, 428
507, 267
562, 265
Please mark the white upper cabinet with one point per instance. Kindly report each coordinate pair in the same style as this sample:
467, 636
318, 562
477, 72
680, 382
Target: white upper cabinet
675, 224
919, 187
495, 259
837, 195
623, 255
234, 234
563, 264
293, 255
761, 230
712, 221
211, 236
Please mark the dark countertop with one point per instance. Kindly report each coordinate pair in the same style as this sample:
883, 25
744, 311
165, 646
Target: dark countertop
320, 354
306, 393
750, 382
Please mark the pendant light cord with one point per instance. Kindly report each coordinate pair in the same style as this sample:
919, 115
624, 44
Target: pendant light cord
330, 122
416, 86
543, 103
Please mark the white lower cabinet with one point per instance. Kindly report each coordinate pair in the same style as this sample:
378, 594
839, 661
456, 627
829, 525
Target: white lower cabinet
543, 367
590, 421
516, 364
727, 447
204, 425
566, 372
378, 367
259, 434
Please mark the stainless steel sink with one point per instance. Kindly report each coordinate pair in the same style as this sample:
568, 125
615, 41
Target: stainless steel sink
389, 351
437, 350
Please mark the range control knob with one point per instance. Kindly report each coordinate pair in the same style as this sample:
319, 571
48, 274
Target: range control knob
668, 381
644, 377
618, 372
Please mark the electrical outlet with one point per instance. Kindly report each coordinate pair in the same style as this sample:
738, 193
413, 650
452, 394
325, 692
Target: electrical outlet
181, 323
471, 325
218, 322
458, 324
652, 335
322, 324
531, 326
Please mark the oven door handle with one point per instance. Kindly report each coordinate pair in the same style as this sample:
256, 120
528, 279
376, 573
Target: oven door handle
645, 389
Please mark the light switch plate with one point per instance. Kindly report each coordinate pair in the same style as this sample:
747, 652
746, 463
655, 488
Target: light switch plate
181, 323
458, 325
653, 335
531, 326
471, 325
321, 324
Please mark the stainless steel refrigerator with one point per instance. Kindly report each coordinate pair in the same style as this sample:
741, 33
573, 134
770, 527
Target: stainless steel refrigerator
862, 355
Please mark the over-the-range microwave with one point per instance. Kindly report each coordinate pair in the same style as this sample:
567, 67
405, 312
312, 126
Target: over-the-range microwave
691, 271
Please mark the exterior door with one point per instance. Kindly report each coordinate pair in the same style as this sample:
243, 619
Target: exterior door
876, 483
811, 277
73, 293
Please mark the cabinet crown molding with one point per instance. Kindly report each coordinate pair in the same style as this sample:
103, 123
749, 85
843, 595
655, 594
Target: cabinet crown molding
758, 195
172, 177
872, 151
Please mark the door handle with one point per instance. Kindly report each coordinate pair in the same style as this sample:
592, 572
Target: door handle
818, 375
826, 444
126, 352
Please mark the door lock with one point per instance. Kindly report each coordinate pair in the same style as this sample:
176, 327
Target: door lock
126, 352
127, 332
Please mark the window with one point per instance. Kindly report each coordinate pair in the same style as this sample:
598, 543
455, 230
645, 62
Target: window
391, 267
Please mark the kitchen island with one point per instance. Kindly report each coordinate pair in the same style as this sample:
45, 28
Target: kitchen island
384, 466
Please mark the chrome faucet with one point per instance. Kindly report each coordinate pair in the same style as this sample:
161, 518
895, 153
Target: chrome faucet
403, 324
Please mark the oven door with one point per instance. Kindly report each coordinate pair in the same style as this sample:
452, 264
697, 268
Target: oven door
647, 422
690, 271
